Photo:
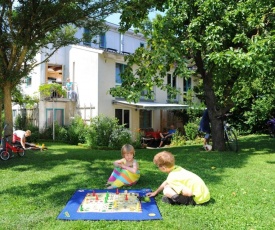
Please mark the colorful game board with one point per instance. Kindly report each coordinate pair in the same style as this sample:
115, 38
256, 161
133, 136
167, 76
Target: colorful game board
112, 204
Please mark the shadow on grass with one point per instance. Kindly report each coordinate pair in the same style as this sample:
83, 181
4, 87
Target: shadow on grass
73, 167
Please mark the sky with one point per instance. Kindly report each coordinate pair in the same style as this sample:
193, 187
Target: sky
114, 18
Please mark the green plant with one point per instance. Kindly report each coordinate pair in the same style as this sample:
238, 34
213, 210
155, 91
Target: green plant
20, 122
61, 133
119, 137
52, 90
35, 133
47, 133
136, 139
76, 131
178, 139
100, 130
191, 130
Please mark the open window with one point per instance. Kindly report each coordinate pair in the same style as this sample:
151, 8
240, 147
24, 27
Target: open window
54, 74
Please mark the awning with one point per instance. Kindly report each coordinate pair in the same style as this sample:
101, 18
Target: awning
151, 105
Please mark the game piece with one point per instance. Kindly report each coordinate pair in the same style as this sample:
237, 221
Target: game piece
67, 214
147, 199
115, 204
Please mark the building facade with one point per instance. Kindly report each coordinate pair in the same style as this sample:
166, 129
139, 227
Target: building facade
94, 69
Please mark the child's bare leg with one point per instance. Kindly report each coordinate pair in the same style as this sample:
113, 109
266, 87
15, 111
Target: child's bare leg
169, 192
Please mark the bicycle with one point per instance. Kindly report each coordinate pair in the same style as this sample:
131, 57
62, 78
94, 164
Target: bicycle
229, 134
7, 148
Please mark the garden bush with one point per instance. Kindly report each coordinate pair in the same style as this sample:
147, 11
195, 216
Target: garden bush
119, 137
100, 130
20, 122
35, 133
76, 131
191, 130
178, 139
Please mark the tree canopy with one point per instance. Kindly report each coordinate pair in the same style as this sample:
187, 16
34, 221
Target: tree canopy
229, 43
26, 27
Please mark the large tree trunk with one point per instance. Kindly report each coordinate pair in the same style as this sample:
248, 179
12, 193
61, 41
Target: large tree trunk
1, 110
218, 141
217, 133
8, 108
212, 105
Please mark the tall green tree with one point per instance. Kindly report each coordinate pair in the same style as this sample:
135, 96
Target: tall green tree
230, 43
31, 27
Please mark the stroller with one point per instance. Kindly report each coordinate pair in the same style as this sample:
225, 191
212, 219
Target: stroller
271, 127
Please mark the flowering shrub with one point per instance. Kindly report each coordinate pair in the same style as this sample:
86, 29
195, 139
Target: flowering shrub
178, 139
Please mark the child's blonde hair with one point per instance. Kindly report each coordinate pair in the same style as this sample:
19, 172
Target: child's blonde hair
164, 158
28, 132
127, 148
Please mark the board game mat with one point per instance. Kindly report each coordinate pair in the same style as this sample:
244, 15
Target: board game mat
111, 204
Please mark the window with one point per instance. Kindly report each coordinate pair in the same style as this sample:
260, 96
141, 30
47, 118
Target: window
145, 119
123, 116
144, 93
147, 95
172, 81
54, 73
141, 44
102, 41
186, 84
14, 113
86, 40
28, 81
119, 70
58, 117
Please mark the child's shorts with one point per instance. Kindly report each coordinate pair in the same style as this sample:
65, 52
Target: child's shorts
15, 138
179, 199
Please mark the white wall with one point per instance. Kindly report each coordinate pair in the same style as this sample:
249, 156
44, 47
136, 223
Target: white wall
83, 66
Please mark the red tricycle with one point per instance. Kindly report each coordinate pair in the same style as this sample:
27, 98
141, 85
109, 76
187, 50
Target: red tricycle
8, 149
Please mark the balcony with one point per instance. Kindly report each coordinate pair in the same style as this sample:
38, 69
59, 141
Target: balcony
57, 91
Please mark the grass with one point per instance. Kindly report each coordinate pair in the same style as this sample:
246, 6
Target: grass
35, 188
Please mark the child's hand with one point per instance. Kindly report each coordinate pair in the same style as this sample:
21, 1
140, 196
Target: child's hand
119, 165
123, 166
150, 194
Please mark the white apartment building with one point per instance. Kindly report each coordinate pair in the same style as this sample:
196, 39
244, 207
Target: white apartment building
94, 69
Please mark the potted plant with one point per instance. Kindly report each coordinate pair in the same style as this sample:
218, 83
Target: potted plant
52, 90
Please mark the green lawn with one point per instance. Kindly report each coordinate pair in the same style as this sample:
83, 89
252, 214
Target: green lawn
35, 188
